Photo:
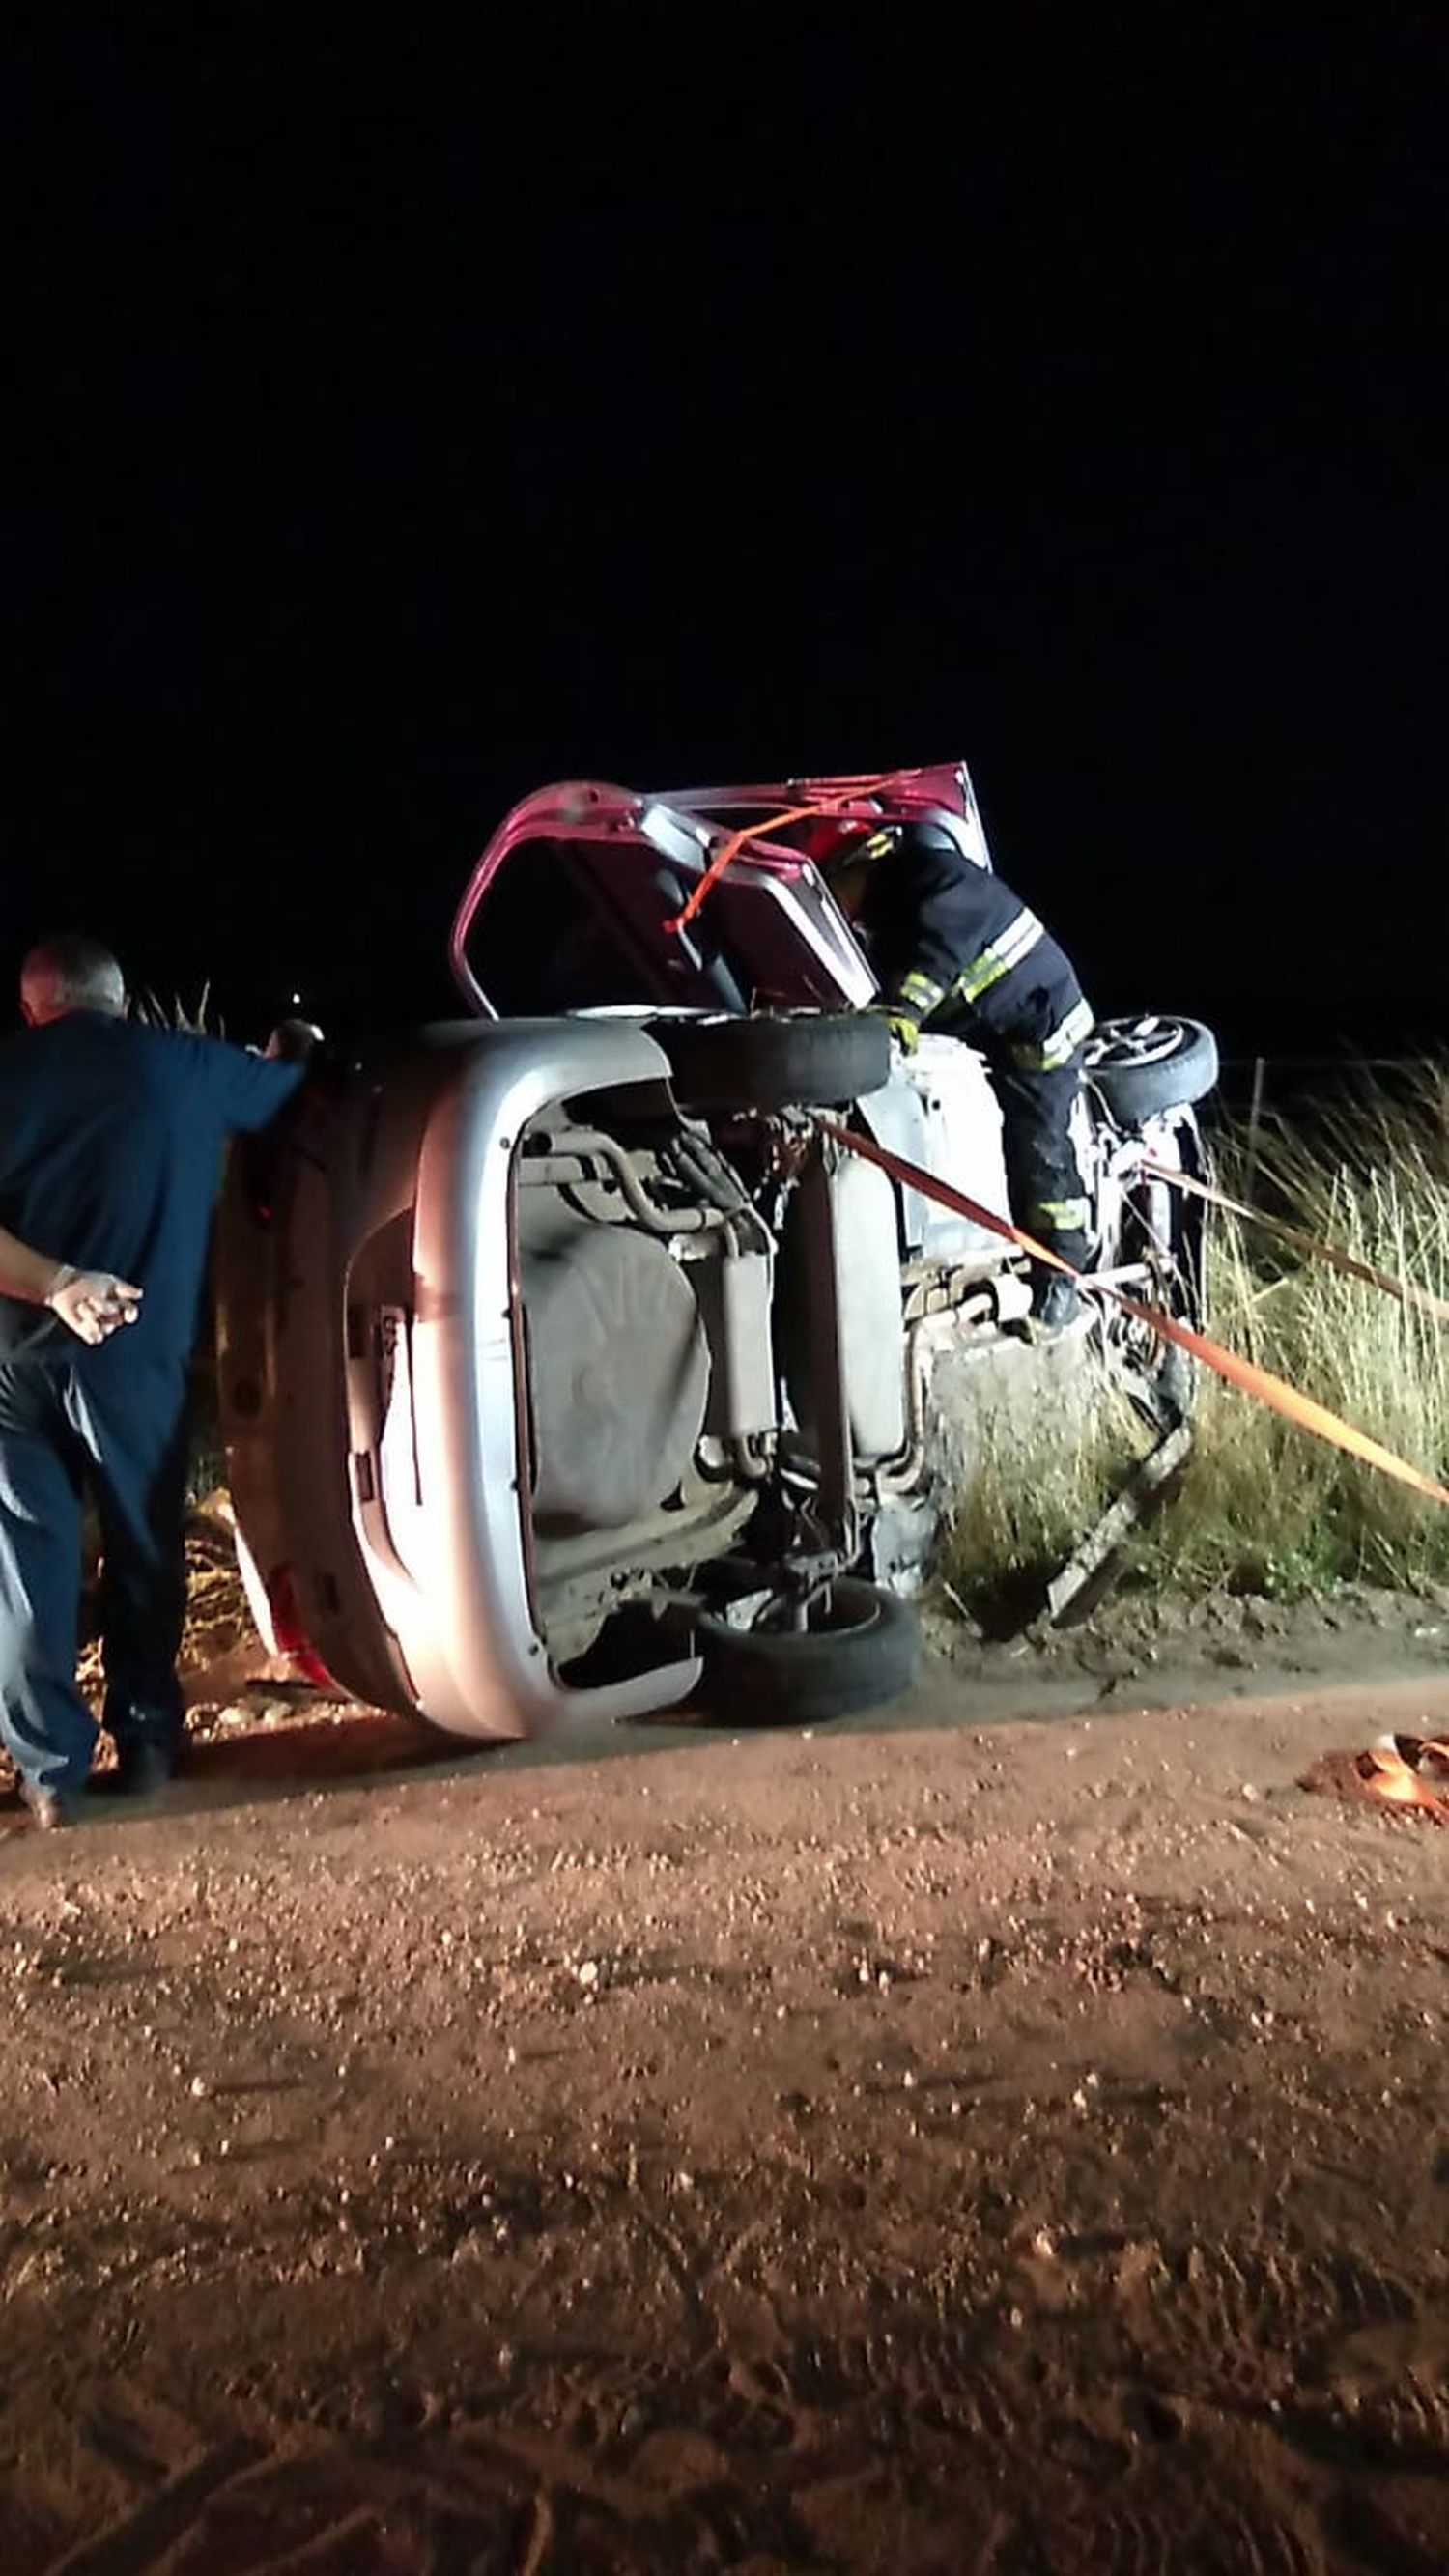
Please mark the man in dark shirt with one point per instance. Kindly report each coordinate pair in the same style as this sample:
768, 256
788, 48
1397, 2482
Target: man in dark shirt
111, 1135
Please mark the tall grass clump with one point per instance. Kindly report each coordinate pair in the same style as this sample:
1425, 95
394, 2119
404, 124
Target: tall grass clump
1264, 1506
197, 1019
1033, 1488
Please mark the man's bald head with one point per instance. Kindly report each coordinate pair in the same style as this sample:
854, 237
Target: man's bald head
70, 974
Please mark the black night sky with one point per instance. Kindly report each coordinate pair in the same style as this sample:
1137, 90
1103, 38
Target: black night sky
407, 417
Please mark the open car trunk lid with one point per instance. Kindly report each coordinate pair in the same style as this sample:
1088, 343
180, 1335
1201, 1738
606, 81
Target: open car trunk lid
582, 899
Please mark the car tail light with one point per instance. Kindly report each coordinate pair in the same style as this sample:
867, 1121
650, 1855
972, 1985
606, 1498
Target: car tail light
291, 1636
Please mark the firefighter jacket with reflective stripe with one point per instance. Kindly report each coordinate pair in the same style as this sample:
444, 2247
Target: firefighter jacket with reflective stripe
951, 942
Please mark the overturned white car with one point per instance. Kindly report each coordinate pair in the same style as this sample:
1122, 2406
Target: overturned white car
567, 1363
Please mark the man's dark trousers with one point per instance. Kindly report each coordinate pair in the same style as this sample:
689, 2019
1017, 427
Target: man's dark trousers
73, 1419
111, 1138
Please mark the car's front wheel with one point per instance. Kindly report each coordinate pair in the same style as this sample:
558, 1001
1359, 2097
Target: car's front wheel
1141, 1067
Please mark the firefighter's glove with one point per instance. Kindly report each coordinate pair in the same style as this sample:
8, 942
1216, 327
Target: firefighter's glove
914, 999
903, 1027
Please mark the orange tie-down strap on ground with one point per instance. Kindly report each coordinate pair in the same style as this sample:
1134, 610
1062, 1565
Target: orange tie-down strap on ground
1392, 1286
1260, 1382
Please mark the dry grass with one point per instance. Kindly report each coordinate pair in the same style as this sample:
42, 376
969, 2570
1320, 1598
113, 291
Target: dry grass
1266, 1507
199, 1019
1034, 1489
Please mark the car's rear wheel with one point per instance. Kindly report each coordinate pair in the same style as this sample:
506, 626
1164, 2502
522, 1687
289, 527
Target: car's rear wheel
860, 1647
1143, 1066
775, 1060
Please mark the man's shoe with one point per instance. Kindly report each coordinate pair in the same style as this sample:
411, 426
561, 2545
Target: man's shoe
52, 1808
142, 1769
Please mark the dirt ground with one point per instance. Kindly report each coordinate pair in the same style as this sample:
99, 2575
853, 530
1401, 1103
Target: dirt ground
1006, 2134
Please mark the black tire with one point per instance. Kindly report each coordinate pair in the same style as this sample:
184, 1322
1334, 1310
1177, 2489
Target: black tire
814, 1059
865, 1650
1150, 1064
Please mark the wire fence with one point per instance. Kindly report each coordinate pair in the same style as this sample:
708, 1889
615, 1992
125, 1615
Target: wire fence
1264, 1090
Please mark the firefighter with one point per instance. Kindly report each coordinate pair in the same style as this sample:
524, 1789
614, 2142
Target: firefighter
956, 951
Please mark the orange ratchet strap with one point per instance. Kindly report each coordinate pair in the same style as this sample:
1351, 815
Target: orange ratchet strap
1403, 1289
1260, 1382
847, 794
728, 853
